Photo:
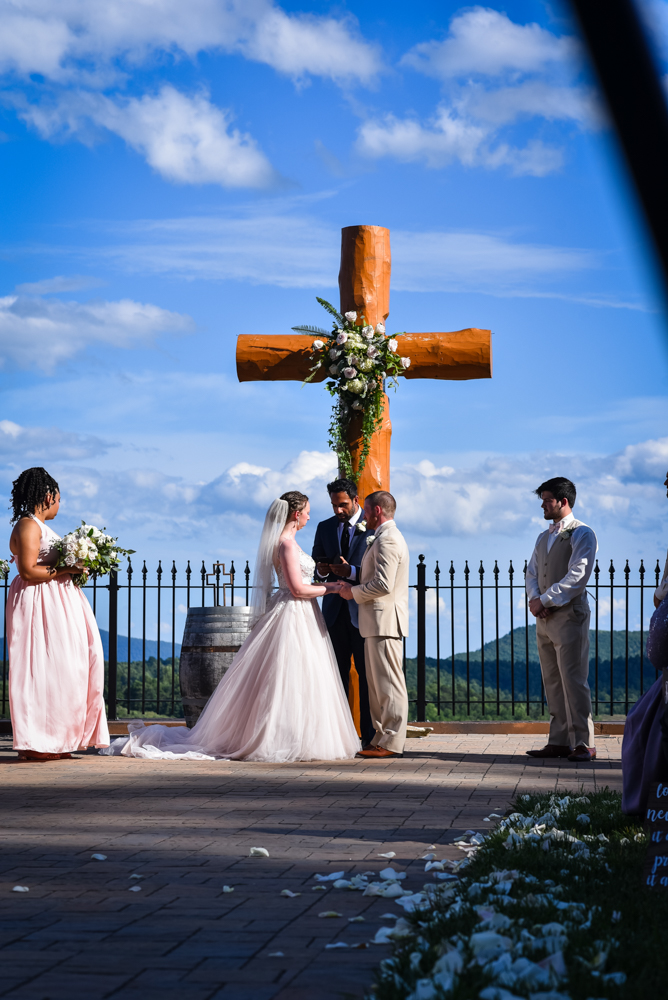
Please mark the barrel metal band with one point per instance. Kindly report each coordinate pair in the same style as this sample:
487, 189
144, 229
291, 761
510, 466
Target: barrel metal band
210, 649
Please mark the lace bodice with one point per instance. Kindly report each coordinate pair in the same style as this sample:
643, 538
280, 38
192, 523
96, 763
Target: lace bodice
307, 566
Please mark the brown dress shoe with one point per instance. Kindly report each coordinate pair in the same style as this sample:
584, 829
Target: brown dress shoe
376, 753
551, 751
37, 755
582, 754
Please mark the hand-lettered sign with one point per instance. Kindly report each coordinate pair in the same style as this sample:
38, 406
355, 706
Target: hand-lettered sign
656, 828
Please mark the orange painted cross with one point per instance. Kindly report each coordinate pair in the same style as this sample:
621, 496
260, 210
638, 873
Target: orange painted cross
364, 286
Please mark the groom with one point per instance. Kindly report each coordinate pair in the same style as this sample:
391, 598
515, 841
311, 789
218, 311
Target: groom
382, 599
339, 545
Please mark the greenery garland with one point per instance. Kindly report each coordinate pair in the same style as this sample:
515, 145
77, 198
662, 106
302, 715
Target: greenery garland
359, 359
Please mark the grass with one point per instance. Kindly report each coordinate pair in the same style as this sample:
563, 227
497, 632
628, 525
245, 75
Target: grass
614, 925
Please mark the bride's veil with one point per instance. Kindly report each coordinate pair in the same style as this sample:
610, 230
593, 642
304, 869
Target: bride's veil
263, 577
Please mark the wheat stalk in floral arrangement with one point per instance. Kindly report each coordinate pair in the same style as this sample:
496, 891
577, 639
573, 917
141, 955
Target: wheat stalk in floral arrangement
359, 359
90, 549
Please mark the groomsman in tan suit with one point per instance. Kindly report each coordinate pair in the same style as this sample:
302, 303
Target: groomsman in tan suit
556, 584
382, 596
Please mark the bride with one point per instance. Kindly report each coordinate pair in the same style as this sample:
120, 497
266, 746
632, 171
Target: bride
282, 698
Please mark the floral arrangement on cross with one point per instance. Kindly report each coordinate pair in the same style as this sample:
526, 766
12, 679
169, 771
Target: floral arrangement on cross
362, 361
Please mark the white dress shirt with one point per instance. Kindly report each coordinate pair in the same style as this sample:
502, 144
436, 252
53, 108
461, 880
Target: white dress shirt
580, 565
350, 526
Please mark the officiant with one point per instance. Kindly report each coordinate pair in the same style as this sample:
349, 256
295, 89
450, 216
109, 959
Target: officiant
340, 543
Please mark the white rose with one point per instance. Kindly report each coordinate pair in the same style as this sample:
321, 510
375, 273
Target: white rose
393, 344
342, 338
380, 328
349, 372
318, 345
367, 331
383, 374
333, 369
70, 560
334, 353
371, 352
351, 316
357, 405
405, 362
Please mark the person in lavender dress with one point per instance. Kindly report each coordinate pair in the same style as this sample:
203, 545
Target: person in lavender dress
645, 744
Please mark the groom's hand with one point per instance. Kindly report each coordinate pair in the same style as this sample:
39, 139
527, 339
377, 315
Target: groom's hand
537, 608
323, 569
346, 592
341, 568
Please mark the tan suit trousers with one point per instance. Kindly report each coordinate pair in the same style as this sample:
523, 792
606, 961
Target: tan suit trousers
563, 649
388, 699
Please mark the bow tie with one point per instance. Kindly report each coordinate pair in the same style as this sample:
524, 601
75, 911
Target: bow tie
553, 528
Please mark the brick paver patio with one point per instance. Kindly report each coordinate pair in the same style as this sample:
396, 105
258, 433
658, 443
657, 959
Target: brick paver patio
187, 829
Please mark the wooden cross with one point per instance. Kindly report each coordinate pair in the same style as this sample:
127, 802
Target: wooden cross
364, 286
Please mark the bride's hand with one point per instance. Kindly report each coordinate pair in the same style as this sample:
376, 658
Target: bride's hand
333, 588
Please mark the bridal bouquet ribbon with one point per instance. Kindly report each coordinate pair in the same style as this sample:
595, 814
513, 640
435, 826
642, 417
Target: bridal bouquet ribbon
91, 549
359, 359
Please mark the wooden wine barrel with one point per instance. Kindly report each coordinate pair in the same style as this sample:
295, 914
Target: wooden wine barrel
211, 638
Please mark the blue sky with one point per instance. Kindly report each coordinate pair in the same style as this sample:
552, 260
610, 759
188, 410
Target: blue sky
179, 174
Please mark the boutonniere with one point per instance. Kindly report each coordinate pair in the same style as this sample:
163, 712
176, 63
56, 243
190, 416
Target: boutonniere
567, 532
360, 526
370, 540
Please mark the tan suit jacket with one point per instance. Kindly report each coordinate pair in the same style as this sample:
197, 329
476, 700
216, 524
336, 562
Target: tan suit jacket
382, 594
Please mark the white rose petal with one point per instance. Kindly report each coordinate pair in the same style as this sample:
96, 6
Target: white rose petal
393, 344
367, 331
342, 338
380, 328
349, 372
318, 345
351, 316
405, 362
371, 352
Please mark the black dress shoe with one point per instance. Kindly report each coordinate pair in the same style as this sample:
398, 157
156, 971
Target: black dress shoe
582, 754
551, 751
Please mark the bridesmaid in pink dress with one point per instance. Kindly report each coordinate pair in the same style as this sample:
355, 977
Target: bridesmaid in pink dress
56, 662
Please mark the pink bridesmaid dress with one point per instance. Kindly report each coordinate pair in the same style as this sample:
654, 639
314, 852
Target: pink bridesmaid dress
56, 663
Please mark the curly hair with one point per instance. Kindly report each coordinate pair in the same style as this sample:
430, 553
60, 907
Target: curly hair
30, 490
295, 501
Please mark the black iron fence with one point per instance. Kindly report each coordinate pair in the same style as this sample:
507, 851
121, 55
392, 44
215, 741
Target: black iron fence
471, 652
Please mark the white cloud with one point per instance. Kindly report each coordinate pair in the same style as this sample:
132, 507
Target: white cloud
484, 506
486, 41
447, 138
61, 283
78, 40
21, 446
531, 99
37, 333
299, 251
494, 73
187, 140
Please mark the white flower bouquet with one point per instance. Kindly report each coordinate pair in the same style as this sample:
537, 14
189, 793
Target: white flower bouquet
4, 569
359, 359
88, 548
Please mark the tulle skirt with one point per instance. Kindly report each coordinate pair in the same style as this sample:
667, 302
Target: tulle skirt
281, 699
56, 668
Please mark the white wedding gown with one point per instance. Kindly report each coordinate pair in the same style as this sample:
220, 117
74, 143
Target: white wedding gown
281, 699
